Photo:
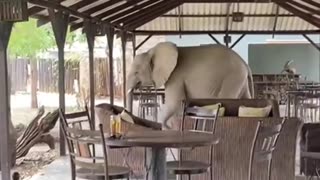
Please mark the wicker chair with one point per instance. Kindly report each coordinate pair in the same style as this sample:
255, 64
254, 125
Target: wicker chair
237, 133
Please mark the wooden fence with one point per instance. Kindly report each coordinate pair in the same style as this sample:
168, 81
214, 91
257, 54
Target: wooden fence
48, 76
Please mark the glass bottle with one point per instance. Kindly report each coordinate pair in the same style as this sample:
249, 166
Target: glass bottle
112, 125
118, 125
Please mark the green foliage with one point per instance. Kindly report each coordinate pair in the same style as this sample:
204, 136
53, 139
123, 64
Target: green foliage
27, 40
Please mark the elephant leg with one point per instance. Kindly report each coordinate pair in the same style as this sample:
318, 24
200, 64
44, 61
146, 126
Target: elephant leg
245, 93
231, 87
175, 93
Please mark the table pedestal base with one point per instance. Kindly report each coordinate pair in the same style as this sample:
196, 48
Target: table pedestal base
156, 164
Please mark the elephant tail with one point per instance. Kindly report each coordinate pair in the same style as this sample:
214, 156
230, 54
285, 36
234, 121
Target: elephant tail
250, 81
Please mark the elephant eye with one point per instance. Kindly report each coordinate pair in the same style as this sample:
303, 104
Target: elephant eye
136, 73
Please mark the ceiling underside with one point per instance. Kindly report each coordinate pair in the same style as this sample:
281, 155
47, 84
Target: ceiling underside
188, 16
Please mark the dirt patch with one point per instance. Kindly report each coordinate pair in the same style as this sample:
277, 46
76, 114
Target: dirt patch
38, 157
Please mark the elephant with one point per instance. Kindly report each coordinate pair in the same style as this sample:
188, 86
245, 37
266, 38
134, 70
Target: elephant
206, 71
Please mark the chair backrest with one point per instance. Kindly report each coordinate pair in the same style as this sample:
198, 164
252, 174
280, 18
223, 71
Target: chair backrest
199, 120
200, 117
79, 119
268, 134
75, 137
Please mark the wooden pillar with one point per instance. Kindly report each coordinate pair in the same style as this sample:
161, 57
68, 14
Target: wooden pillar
124, 67
110, 36
5, 31
90, 34
59, 21
134, 41
130, 96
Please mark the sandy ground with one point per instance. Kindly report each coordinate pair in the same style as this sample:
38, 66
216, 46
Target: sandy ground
21, 113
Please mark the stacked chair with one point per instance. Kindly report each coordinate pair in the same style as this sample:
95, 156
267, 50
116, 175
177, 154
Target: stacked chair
148, 103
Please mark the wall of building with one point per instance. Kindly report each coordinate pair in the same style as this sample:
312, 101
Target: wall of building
242, 47
270, 58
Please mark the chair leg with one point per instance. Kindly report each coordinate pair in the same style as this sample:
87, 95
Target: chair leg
189, 176
211, 173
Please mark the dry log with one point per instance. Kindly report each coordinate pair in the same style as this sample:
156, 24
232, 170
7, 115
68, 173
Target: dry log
37, 132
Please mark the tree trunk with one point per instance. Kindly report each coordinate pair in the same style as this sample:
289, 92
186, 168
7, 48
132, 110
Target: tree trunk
34, 83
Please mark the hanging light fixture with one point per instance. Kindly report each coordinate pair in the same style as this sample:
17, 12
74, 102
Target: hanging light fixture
237, 16
13, 10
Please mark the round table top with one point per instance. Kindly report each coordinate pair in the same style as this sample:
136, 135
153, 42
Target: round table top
163, 139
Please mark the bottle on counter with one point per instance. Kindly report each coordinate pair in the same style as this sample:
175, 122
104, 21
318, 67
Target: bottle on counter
118, 125
112, 125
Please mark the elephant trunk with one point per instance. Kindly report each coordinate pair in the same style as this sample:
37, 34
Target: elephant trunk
131, 85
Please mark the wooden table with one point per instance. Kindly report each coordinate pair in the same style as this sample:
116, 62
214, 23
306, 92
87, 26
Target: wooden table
157, 142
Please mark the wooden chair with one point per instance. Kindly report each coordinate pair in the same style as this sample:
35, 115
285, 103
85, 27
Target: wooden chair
261, 152
148, 103
79, 119
91, 167
199, 124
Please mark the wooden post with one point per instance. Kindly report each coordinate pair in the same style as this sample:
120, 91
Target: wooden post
110, 36
134, 41
5, 32
124, 67
90, 34
59, 21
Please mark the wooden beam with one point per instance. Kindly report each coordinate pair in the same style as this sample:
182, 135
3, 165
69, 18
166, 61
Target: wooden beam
156, 13
226, 41
110, 36
140, 13
253, 32
304, 7
101, 6
75, 7
128, 12
108, 13
237, 41
59, 22
142, 43
311, 42
313, 3
5, 149
307, 17
213, 38
90, 35
83, 15
36, 9
115, 10
124, 67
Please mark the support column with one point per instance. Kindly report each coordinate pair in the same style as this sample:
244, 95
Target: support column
110, 36
59, 21
134, 40
5, 150
124, 66
90, 34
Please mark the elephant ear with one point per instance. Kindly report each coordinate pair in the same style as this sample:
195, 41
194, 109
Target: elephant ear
164, 58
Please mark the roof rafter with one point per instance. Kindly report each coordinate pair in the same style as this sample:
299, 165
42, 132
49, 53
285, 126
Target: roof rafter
307, 17
75, 7
131, 10
304, 7
139, 13
167, 6
109, 12
54, 5
36, 9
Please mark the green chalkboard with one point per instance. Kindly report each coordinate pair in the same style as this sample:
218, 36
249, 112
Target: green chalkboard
270, 59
